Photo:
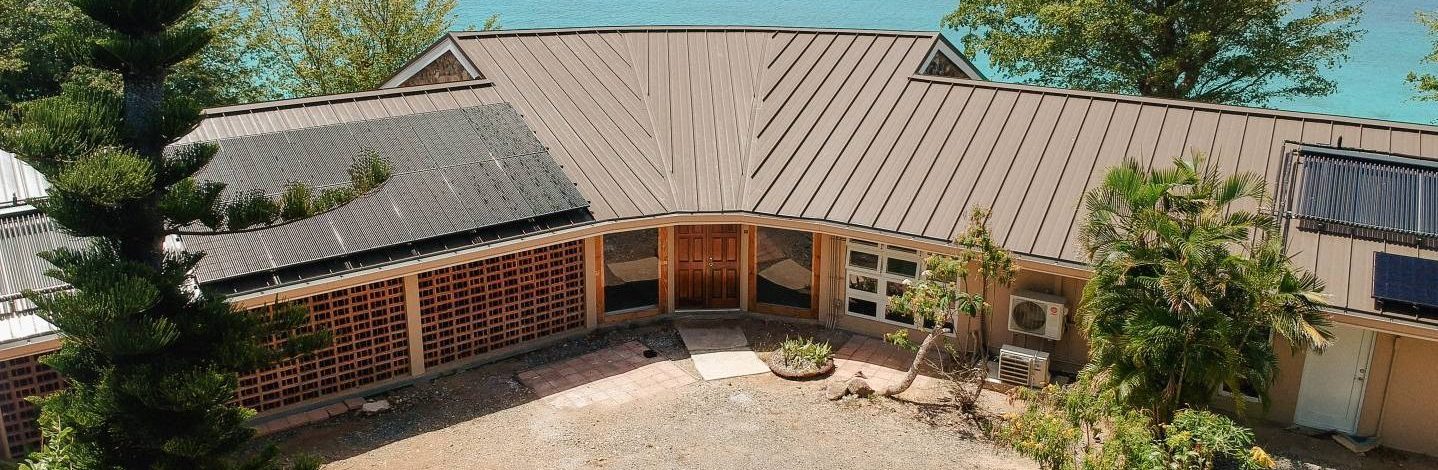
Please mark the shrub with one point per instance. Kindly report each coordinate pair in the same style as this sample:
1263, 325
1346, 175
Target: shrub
1076, 428
805, 353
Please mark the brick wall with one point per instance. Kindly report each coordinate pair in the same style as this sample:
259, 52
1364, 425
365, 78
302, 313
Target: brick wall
19, 378
475, 308
369, 345
466, 310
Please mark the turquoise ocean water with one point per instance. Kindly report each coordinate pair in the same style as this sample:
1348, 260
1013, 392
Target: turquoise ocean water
1370, 85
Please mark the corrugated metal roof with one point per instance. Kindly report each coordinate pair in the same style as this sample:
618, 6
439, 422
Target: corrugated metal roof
22, 235
18, 182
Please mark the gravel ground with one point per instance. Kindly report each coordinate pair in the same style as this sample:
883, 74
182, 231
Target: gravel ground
483, 418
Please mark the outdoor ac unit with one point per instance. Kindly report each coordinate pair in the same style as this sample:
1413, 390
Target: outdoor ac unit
1037, 314
1020, 366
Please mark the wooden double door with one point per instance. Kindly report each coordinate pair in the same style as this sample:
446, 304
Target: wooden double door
706, 266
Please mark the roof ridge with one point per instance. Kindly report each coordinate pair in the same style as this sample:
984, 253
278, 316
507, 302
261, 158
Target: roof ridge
656, 28
1182, 103
353, 96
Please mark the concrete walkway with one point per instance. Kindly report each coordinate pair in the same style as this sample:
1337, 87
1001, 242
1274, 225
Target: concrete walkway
719, 352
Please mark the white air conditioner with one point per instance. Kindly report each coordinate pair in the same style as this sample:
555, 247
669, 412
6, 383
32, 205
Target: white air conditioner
1032, 313
1020, 366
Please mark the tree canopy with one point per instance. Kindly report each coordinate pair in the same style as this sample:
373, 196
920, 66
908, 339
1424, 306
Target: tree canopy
151, 361
41, 54
1189, 283
1235, 52
1427, 84
319, 47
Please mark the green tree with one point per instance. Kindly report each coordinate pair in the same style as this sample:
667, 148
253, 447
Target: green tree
41, 36
337, 46
946, 290
1188, 283
1235, 51
151, 361
1427, 83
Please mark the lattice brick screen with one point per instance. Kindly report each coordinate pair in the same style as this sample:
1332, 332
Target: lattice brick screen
486, 305
19, 378
369, 345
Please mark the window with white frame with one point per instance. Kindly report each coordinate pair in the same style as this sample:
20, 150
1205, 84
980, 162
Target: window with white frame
877, 272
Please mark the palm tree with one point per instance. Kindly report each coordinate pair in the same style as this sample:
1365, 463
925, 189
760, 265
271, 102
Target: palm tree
1188, 286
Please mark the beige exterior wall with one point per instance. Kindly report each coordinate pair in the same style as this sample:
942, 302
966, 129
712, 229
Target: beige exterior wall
1406, 411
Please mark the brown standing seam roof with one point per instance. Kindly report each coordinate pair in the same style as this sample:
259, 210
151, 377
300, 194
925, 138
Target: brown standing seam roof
835, 125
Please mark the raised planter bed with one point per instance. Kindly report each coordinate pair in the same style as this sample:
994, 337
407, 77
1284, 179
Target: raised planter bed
776, 364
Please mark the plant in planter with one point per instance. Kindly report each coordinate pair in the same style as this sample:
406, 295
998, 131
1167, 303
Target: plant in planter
799, 358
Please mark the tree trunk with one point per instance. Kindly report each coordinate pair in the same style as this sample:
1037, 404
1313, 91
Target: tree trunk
913, 373
144, 95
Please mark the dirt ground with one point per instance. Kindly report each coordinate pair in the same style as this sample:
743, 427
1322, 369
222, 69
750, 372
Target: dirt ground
484, 418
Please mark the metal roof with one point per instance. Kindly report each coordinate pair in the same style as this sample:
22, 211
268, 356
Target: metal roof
18, 182
838, 126
454, 171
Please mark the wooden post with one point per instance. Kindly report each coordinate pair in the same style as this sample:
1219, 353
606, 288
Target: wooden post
666, 270
593, 280
747, 291
816, 267
4, 440
414, 326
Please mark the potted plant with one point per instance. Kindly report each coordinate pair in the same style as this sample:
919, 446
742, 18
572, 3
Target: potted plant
802, 358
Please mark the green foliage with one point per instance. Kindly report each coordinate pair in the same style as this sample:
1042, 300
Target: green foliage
318, 47
1426, 84
45, 48
805, 353
1081, 427
944, 290
151, 361
1188, 282
1236, 52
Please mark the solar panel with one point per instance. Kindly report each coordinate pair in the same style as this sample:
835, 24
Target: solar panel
1405, 280
455, 170
1379, 192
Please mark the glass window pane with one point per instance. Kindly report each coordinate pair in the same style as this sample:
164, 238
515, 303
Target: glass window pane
902, 267
903, 250
863, 283
784, 261
895, 315
894, 289
631, 270
859, 259
863, 307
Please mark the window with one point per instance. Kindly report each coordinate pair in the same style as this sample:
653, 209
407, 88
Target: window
877, 272
631, 270
784, 263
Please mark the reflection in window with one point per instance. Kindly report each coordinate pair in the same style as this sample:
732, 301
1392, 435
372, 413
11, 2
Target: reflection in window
784, 262
631, 270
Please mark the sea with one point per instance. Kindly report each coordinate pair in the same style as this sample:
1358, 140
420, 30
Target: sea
1370, 84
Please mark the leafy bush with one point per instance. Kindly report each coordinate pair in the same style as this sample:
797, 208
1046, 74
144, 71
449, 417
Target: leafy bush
1072, 428
805, 353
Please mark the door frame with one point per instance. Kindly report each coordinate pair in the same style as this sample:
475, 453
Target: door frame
1362, 368
671, 269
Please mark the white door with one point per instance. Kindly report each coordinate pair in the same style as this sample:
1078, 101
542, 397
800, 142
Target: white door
1332, 389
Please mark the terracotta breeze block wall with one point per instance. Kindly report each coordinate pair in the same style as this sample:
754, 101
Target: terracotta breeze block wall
369, 345
19, 378
475, 308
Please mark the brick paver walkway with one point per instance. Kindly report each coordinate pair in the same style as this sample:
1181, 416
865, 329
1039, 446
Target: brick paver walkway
610, 376
877, 360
